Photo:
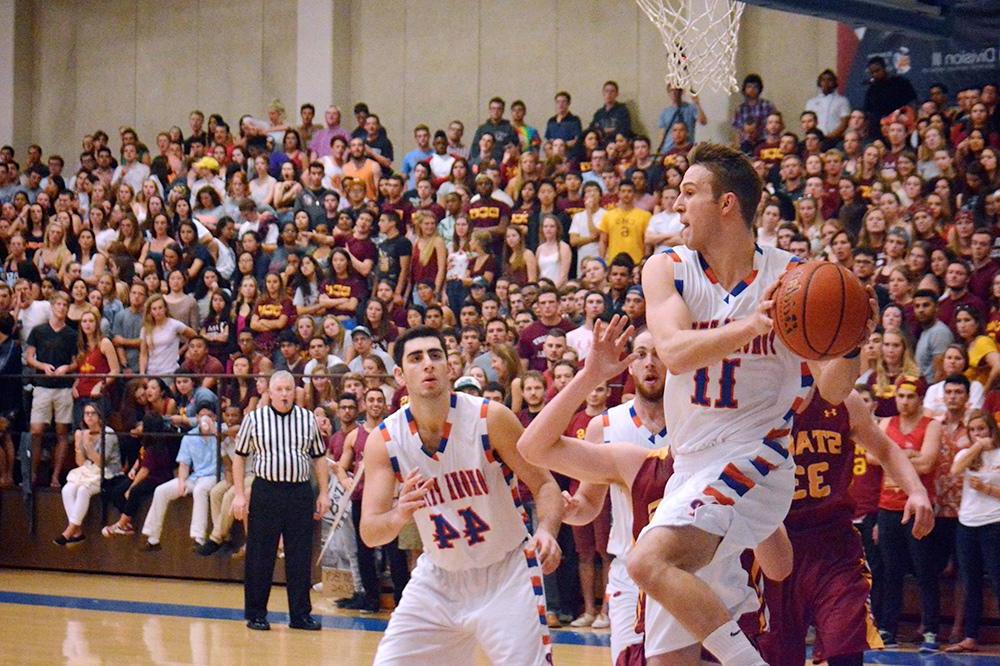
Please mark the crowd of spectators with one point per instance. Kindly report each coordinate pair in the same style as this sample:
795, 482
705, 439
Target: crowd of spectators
150, 289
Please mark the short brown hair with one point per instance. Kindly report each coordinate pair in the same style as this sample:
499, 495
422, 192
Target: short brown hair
732, 172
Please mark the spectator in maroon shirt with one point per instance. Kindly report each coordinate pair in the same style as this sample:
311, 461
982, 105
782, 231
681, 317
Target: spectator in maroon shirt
984, 267
531, 345
197, 361
956, 281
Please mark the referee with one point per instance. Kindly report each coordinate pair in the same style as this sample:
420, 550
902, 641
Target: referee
283, 438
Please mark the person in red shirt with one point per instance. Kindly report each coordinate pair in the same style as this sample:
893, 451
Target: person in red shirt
919, 437
197, 361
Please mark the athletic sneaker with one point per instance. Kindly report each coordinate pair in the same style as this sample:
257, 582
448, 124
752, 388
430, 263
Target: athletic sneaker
584, 620
930, 643
116, 530
601, 622
888, 639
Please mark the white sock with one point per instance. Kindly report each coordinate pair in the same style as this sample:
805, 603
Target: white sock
731, 647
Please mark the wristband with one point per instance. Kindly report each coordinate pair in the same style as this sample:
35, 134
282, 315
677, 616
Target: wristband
853, 354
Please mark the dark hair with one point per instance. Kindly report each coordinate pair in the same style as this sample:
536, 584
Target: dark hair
755, 79
958, 379
926, 293
414, 334
732, 172
827, 72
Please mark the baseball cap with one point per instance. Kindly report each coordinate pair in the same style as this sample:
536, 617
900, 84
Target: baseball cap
363, 330
635, 289
479, 282
468, 381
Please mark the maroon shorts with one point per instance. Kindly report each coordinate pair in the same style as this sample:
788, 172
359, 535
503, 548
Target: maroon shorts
633, 655
828, 588
592, 539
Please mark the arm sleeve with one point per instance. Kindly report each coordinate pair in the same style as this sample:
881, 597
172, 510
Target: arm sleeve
245, 437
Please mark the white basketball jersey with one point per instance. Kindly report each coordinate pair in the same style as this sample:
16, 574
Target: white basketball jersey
622, 424
473, 515
750, 395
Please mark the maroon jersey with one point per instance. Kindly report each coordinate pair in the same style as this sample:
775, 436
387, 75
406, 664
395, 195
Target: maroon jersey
824, 467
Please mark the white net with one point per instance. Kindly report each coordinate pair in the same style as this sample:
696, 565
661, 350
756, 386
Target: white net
701, 38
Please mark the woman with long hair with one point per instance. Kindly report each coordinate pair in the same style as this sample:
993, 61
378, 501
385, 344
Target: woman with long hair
460, 176
960, 235
287, 189
161, 339
982, 350
272, 314
95, 448
343, 291
262, 185
155, 465
181, 305
873, 232
520, 266
954, 361
93, 264
894, 249
430, 256
335, 335
842, 249
978, 532
377, 376
553, 254
505, 364
246, 301
897, 359
218, 327
160, 238
130, 241
384, 330
307, 288
78, 303
53, 255
241, 389
457, 276
98, 365
484, 264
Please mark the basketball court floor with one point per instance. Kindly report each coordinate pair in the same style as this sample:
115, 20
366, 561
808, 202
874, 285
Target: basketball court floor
52, 618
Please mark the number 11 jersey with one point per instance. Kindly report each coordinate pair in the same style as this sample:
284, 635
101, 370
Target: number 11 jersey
750, 395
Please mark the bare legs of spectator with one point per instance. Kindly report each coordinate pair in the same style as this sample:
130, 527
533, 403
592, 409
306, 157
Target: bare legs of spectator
58, 456
76, 500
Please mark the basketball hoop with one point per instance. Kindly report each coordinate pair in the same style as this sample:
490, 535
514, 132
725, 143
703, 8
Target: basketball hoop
701, 38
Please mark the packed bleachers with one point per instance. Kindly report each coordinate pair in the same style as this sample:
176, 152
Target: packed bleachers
149, 289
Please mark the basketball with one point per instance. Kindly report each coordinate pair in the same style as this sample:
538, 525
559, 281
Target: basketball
820, 311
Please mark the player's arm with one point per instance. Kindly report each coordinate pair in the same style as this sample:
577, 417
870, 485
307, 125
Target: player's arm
775, 555
381, 521
834, 379
894, 462
667, 315
588, 500
542, 444
505, 429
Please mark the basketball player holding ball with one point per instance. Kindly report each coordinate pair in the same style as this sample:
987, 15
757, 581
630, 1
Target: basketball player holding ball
729, 400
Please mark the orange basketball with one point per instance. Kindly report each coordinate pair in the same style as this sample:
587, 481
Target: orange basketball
820, 310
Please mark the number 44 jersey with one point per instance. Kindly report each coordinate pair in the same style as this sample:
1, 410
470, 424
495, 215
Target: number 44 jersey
751, 394
473, 515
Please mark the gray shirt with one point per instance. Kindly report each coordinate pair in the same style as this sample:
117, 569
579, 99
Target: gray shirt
128, 324
932, 343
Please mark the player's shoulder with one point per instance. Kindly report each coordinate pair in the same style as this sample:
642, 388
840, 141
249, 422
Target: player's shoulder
776, 257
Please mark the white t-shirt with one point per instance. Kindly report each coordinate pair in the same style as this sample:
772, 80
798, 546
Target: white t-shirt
331, 361
978, 509
934, 398
579, 226
164, 353
37, 313
331, 170
260, 189
582, 340
666, 222
441, 165
134, 175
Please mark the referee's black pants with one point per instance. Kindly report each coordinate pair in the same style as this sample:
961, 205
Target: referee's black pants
279, 510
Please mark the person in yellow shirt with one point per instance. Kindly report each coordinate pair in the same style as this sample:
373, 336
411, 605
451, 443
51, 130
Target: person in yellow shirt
624, 227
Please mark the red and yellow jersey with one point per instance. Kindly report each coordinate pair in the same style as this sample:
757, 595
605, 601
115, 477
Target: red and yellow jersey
824, 467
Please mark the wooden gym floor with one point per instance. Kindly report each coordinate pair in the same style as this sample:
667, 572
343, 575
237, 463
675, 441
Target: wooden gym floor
51, 618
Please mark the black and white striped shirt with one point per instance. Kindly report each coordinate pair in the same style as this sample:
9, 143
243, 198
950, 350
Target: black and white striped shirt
282, 444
